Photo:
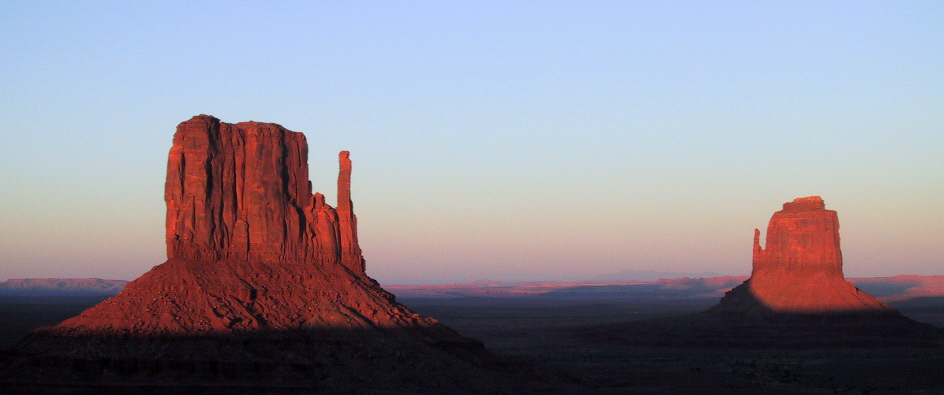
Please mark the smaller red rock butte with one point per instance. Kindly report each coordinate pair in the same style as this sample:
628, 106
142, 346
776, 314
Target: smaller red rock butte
803, 237
800, 268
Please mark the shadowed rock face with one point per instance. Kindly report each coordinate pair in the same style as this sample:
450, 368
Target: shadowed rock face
800, 270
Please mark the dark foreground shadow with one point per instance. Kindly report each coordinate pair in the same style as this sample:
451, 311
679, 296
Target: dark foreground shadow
745, 322
371, 361
20, 314
636, 347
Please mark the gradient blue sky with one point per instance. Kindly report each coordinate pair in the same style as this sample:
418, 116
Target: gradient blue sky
507, 141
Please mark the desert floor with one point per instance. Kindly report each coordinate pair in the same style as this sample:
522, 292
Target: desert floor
552, 335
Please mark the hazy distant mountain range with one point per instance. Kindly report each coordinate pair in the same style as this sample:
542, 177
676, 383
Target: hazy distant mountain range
887, 288
662, 289
60, 287
648, 275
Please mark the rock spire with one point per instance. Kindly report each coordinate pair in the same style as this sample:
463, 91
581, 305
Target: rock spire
350, 254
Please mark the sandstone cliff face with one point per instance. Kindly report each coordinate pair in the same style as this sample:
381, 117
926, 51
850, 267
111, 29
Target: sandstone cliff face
800, 268
801, 238
241, 191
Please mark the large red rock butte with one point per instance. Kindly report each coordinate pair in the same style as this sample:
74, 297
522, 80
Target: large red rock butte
261, 275
800, 270
248, 245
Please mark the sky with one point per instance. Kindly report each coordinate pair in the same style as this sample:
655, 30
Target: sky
509, 141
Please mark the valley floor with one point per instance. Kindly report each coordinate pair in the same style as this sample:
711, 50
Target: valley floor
552, 335
547, 333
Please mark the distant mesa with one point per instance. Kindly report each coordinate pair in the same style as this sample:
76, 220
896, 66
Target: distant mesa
796, 297
800, 270
264, 286
797, 292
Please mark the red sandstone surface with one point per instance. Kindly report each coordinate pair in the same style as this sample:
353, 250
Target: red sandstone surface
241, 191
185, 297
800, 268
